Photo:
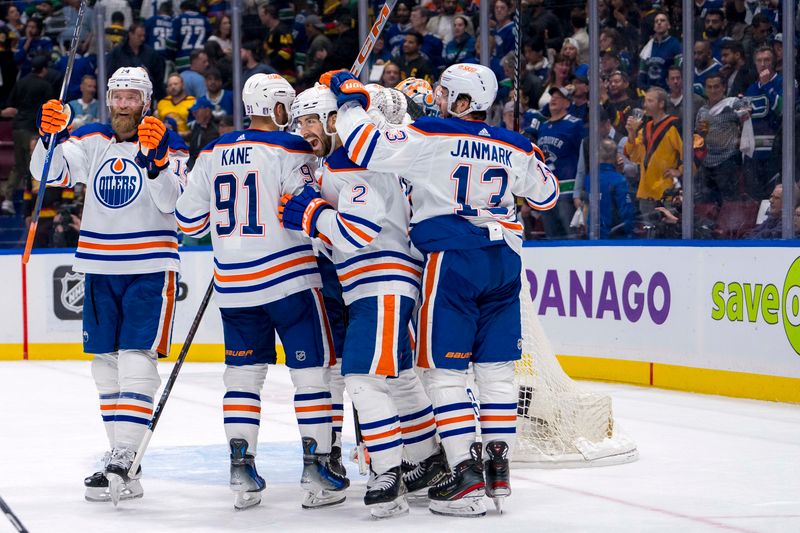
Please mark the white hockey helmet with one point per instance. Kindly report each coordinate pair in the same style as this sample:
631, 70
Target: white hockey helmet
476, 81
262, 92
135, 78
318, 100
387, 106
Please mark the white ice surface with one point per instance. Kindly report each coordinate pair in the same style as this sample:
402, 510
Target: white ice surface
706, 463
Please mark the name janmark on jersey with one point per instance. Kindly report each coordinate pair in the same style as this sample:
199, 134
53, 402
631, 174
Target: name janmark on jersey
480, 150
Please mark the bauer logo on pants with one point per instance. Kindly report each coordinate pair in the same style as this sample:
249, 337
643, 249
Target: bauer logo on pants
68, 291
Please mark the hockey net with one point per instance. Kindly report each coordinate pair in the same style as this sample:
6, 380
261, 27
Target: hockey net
559, 424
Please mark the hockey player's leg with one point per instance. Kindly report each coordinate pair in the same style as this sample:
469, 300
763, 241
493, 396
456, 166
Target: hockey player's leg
138, 383
380, 428
312, 401
498, 401
337, 416
104, 372
424, 463
462, 491
242, 417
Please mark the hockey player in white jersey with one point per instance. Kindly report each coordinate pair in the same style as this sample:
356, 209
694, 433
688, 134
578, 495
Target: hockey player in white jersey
363, 217
266, 281
465, 175
128, 250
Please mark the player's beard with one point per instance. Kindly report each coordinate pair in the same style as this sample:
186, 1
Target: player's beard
125, 124
323, 145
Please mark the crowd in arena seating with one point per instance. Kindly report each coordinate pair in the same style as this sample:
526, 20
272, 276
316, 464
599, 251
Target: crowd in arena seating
187, 48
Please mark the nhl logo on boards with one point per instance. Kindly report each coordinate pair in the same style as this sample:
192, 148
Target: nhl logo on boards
68, 293
118, 182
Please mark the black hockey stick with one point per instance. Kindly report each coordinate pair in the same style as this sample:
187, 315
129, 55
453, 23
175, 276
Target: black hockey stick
517, 64
12, 517
171, 381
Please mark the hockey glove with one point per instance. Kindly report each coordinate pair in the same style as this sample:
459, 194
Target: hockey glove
346, 88
301, 212
54, 119
153, 146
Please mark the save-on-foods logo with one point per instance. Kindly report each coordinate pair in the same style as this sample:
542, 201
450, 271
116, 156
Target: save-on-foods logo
618, 295
740, 301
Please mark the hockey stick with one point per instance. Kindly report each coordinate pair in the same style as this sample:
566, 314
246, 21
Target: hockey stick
12, 517
517, 64
48, 158
372, 37
171, 381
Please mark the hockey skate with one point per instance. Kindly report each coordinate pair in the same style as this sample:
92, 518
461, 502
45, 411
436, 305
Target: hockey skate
324, 486
245, 483
116, 472
425, 474
97, 486
386, 494
461, 493
496, 468
335, 461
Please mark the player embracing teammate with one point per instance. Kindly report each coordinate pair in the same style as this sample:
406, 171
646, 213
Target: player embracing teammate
465, 175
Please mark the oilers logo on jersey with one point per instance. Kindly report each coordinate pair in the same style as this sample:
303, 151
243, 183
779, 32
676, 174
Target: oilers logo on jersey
118, 182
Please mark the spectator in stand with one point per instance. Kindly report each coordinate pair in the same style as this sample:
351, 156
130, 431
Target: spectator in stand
579, 107
675, 101
704, 65
70, 14
441, 24
176, 104
116, 32
251, 64
27, 97
158, 29
413, 64
13, 21
571, 50
31, 45
559, 77
765, 96
625, 19
391, 75
737, 71
580, 35
112, 6
560, 140
617, 214
226, 124
190, 31
760, 34
84, 109
619, 104
396, 33
543, 22
432, 45
658, 54
461, 49
606, 131
319, 46
194, 79
503, 28
610, 63
536, 61
222, 34
346, 44
771, 228
133, 52
204, 128
656, 147
279, 44
719, 122
611, 41
714, 32
221, 99
150, 8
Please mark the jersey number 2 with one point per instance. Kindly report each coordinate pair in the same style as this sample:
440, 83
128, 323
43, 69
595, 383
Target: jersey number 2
226, 188
462, 175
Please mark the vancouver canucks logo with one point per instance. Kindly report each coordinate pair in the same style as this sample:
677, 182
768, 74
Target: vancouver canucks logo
118, 182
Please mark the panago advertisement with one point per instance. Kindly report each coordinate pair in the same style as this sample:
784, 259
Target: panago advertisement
733, 309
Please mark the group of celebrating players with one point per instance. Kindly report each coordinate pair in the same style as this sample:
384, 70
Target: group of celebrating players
384, 252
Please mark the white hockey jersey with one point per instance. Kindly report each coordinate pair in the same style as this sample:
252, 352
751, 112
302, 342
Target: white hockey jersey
368, 232
233, 191
128, 225
464, 175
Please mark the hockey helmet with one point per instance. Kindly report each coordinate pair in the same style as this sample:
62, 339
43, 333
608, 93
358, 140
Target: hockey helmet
475, 81
135, 78
420, 92
262, 92
318, 100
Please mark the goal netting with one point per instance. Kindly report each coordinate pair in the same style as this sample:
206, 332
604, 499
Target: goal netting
559, 423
